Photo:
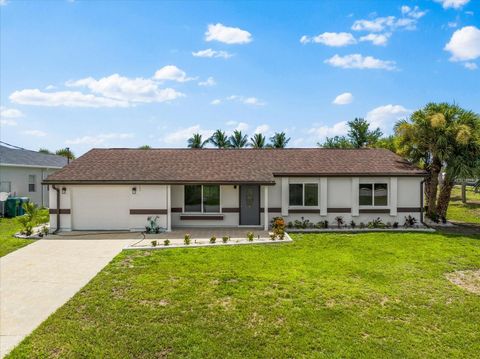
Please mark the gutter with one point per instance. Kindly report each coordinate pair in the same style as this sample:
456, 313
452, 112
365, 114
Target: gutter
58, 209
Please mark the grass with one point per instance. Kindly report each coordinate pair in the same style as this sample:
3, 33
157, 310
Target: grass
10, 226
464, 212
324, 295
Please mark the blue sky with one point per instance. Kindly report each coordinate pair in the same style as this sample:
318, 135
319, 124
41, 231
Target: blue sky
89, 74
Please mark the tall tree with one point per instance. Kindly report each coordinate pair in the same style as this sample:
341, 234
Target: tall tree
196, 141
45, 151
279, 140
360, 134
219, 139
145, 147
462, 160
257, 141
336, 142
389, 142
238, 139
65, 152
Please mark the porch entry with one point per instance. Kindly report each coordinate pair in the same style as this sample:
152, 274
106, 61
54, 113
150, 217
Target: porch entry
249, 205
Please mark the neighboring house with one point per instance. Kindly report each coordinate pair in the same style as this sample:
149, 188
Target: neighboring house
22, 172
117, 189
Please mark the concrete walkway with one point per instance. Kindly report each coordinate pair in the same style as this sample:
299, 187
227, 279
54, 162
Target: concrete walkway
39, 278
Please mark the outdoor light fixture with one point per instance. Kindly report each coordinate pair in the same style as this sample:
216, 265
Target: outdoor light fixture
134, 190
64, 190
235, 187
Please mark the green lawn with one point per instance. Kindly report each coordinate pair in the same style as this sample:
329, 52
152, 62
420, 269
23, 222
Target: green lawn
469, 212
324, 295
10, 226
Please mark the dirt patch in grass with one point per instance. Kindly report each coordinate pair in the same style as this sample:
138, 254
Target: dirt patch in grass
467, 279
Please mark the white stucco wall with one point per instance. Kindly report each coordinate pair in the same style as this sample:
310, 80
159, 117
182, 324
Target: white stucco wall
19, 180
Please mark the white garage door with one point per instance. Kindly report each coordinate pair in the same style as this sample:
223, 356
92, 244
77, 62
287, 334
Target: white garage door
100, 208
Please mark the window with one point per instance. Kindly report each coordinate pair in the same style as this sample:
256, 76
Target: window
32, 179
303, 194
200, 198
6, 187
373, 194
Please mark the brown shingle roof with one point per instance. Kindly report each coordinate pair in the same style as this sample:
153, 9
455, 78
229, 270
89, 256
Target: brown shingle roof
228, 165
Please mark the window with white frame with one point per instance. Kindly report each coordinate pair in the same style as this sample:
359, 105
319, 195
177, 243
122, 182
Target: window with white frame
202, 198
32, 180
373, 194
303, 194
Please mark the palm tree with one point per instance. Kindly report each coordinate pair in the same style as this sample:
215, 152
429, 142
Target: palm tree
45, 151
65, 152
196, 141
238, 139
279, 140
219, 139
463, 158
257, 141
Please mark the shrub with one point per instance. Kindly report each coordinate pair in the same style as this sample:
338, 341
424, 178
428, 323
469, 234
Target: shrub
376, 223
213, 239
250, 236
319, 225
29, 219
225, 239
278, 226
152, 225
187, 239
395, 225
154, 243
45, 230
353, 224
273, 236
281, 234
339, 220
325, 222
298, 224
166, 242
290, 225
409, 221
362, 225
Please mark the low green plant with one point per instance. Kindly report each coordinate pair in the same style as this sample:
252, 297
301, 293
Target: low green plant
225, 239
353, 224
290, 224
395, 225
409, 221
154, 243
250, 236
281, 234
45, 230
339, 220
166, 242
362, 225
273, 235
29, 219
187, 239
152, 225
376, 223
213, 239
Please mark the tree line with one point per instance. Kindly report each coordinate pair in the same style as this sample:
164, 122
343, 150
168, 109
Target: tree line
238, 139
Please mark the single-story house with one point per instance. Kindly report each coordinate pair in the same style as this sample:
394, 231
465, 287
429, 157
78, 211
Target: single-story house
22, 172
117, 189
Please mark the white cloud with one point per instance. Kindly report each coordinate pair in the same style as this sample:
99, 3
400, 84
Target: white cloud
63, 98
416, 13
180, 136
35, 133
470, 65
212, 53
452, 24
389, 22
10, 113
386, 116
464, 44
357, 61
321, 132
227, 35
216, 102
335, 39
343, 99
127, 89
239, 126
3, 2
50, 87
253, 101
376, 39
208, 82
172, 73
97, 140
8, 122
262, 129
455, 4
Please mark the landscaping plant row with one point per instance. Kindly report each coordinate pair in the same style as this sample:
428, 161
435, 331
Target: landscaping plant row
410, 222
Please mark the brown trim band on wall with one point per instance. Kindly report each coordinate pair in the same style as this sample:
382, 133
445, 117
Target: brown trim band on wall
339, 210
374, 210
409, 209
177, 209
201, 218
62, 211
148, 211
316, 211
230, 210
271, 210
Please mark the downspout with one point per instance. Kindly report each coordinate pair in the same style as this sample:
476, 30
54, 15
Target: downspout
421, 202
58, 208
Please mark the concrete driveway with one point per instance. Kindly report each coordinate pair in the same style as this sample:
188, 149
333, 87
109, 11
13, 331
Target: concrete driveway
39, 278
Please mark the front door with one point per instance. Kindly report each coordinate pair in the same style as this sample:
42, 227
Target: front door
250, 205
